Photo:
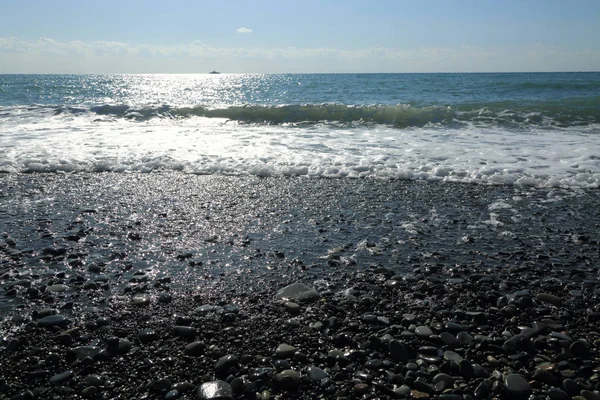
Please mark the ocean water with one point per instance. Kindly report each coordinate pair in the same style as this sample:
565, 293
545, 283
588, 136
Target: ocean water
530, 129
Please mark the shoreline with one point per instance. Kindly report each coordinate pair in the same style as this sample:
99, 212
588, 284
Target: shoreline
429, 290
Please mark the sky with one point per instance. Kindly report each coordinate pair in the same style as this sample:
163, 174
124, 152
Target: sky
287, 36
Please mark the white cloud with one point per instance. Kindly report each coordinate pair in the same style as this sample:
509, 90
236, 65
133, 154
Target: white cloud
47, 55
243, 30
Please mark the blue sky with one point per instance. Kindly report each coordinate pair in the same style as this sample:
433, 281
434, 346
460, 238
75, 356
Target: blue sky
185, 36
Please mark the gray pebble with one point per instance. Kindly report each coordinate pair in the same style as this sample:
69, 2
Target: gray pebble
214, 390
298, 292
516, 384
53, 320
59, 379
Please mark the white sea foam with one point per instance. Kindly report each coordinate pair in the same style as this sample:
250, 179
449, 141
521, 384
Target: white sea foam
71, 143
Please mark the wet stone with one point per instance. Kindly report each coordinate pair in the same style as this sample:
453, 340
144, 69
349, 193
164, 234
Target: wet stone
288, 379
148, 335
81, 352
590, 395
172, 395
225, 363
292, 308
452, 356
558, 394
285, 351
298, 292
183, 387
214, 390
185, 331
194, 349
549, 298
517, 385
89, 392
449, 340
397, 351
53, 320
423, 331
58, 288
316, 374
446, 379
580, 349
61, 378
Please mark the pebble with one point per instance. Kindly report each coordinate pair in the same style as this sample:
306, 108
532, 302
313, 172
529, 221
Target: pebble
214, 390
316, 374
58, 288
141, 300
185, 331
53, 320
195, 349
148, 335
285, 351
517, 385
59, 379
549, 298
288, 379
423, 332
225, 363
298, 292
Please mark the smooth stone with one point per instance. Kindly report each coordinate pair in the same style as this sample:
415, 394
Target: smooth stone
452, 356
579, 349
455, 327
165, 298
172, 395
183, 387
203, 309
482, 390
89, 392
590, 395
316, 374
557, 394
148, 335
549, 298
58, 288
288, 379
402, 391
93, 380
298, 292
195, 349
397, 351
292, 308
446, 379
285, 351
81, 352
140, 300
53, 320
423, 331
464, 337
185, 331
214, 390
224, 363
448, 339
516, 384
62, 377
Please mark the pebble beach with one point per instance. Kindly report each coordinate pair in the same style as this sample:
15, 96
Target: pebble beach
176, 286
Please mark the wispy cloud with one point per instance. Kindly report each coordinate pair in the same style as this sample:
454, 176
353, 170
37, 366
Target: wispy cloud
49, 55
243, 30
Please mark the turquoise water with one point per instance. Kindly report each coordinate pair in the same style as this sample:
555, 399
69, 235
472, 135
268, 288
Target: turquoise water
515, 128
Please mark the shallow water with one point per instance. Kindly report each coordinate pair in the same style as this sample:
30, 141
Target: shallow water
106, 227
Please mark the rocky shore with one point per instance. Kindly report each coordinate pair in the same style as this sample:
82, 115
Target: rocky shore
171, 286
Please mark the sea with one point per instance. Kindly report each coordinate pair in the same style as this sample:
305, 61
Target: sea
527, 129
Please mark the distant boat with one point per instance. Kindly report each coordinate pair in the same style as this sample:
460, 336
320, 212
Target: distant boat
214, 72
